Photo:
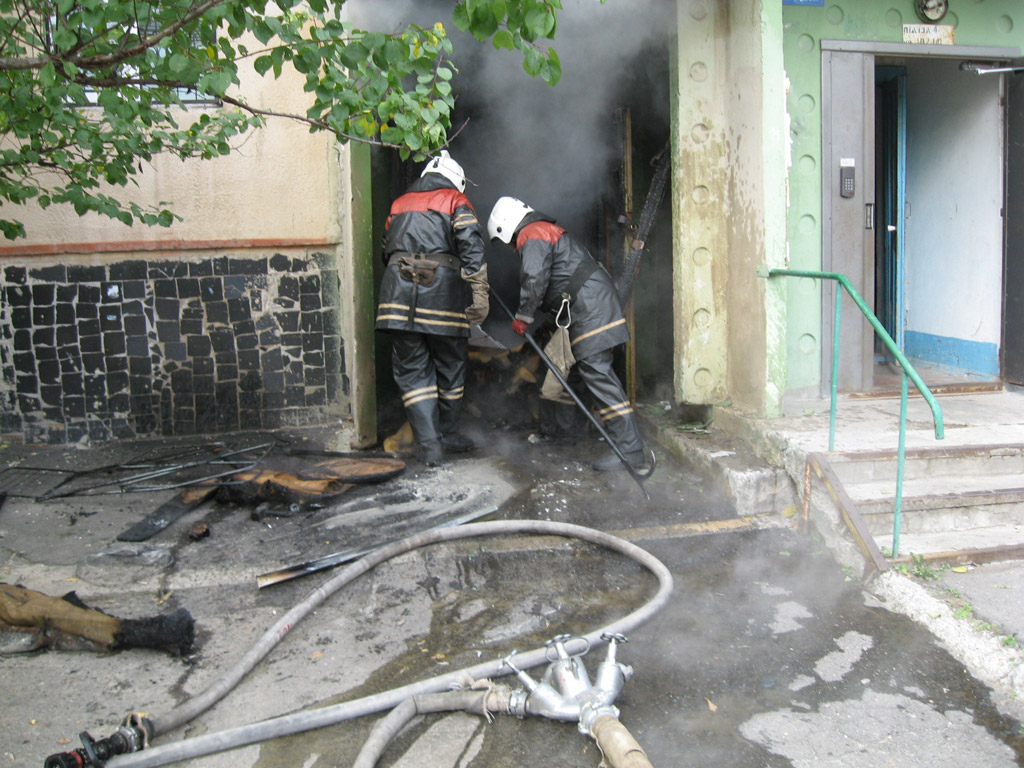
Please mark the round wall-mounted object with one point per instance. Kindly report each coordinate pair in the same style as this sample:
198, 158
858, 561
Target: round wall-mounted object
931, 11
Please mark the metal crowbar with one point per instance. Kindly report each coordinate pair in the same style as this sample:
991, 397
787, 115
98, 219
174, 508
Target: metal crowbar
586, 411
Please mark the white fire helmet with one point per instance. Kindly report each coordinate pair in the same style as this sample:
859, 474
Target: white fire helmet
448, 168
505, 217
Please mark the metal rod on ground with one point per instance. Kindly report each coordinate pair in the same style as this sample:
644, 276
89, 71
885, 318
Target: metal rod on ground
329, 561
586, 411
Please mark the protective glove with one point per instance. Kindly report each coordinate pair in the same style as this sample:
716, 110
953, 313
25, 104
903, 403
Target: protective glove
476, 312
520, 327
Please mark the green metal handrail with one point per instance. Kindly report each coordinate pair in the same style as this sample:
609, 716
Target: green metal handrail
908, 371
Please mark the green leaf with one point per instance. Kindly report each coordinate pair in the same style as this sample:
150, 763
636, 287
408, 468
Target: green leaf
216, 82
551, 71
396, 52
179, 63
479, 9
354, 54
392, 135
461, 17
48, 75
263, 64
263, 32
483, 24
503, 39
12, 229
540, 22
532, 62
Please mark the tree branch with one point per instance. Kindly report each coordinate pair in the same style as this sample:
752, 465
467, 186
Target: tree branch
325, 126
148, 42
13, 63
301, 119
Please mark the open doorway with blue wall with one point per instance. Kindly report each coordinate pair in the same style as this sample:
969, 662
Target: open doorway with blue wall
939, 237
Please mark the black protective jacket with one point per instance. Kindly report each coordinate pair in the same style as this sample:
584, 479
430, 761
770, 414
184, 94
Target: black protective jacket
432, 217
554, 264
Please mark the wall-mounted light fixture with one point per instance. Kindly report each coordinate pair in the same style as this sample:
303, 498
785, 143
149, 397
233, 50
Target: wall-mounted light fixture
987, 68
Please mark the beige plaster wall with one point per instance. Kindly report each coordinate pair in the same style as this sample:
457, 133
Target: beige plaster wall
745, 224
728, 199
700, 199
279, 184
757, 208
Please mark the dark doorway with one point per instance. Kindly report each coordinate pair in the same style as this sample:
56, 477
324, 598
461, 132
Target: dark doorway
890, 175
1013, 303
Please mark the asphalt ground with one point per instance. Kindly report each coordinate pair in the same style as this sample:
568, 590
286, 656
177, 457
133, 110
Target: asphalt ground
768, 653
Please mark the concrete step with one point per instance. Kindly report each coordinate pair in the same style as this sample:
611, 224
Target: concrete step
971, 543
948, 503
946, 489
934, 464
953, 500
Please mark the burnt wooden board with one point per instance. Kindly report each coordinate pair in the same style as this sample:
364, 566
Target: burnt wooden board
297, 478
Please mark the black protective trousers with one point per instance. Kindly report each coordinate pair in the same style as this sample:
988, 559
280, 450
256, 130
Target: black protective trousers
614, 408
430, 372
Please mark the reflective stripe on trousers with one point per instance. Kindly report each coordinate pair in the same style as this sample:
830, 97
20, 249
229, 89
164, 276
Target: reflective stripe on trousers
430, 372
614, 408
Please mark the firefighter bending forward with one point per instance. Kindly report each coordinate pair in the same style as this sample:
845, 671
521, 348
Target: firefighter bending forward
434, 287
554, 267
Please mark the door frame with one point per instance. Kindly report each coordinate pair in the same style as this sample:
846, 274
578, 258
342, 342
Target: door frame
1011, 348
859, 364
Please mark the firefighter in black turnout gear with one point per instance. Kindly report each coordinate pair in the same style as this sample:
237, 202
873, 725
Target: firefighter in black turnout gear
555, 269
434, 287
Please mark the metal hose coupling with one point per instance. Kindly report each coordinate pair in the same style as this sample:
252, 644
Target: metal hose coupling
132, 736
566, 692
540, 699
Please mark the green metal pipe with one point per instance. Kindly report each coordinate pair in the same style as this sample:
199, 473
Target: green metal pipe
901, 455
835, 372
908, 374
882, 333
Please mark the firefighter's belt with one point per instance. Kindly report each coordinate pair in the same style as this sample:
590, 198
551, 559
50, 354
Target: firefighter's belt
421, 268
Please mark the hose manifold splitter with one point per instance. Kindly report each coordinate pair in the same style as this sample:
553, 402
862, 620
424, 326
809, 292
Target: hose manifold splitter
565, 692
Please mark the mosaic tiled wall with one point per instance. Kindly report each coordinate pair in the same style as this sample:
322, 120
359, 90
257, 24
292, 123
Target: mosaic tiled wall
159, 347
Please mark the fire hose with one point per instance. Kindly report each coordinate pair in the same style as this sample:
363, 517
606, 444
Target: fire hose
128, 746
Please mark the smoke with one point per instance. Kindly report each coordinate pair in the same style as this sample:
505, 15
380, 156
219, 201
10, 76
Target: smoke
556, 148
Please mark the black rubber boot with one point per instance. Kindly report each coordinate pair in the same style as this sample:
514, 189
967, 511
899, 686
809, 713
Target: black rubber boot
611, 462
431, 453
172, 632
456, 443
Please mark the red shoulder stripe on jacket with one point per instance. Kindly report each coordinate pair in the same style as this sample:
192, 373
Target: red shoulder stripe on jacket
539, 230
444, 201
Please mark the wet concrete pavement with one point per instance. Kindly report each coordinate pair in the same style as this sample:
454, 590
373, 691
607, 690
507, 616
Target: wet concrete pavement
768, 653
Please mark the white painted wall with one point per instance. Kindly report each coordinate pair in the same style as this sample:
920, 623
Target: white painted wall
955, 188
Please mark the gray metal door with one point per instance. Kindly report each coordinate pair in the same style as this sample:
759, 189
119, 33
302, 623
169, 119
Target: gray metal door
848, 207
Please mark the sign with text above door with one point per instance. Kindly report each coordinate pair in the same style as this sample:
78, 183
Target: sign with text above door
928, 34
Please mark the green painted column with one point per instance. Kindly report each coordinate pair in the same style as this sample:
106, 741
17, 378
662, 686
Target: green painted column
357, 292
777, 155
